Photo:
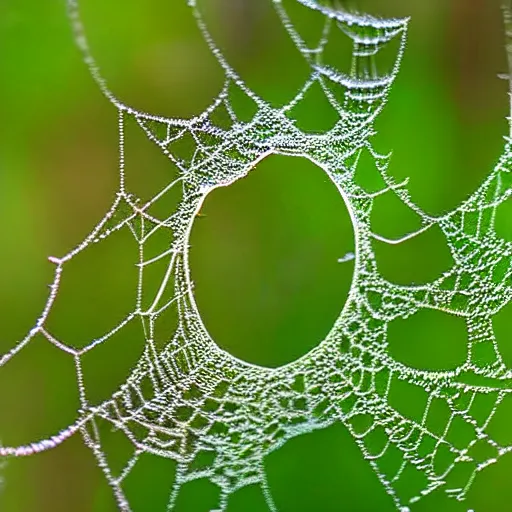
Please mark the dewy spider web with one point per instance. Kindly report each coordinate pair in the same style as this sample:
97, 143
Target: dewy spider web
191, 401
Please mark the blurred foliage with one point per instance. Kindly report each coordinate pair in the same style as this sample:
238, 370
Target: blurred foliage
265, 254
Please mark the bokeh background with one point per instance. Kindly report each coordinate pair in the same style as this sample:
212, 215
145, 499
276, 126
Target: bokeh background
264, 251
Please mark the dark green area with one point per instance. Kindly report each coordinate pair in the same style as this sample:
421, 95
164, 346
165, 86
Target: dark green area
264, 245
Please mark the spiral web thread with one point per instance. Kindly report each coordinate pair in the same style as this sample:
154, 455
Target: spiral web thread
218, 417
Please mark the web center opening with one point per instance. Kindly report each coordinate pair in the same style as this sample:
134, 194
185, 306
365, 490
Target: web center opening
272, 261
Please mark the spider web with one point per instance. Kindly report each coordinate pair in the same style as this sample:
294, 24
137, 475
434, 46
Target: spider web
218, 417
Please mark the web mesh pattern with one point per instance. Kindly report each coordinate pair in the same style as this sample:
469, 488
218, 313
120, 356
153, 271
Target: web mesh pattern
217, 416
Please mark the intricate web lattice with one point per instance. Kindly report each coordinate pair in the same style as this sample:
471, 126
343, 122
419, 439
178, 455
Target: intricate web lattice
192, 400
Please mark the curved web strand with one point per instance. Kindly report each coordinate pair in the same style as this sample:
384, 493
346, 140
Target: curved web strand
218, 417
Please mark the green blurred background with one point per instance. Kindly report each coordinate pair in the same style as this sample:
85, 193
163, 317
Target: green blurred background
264, 252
